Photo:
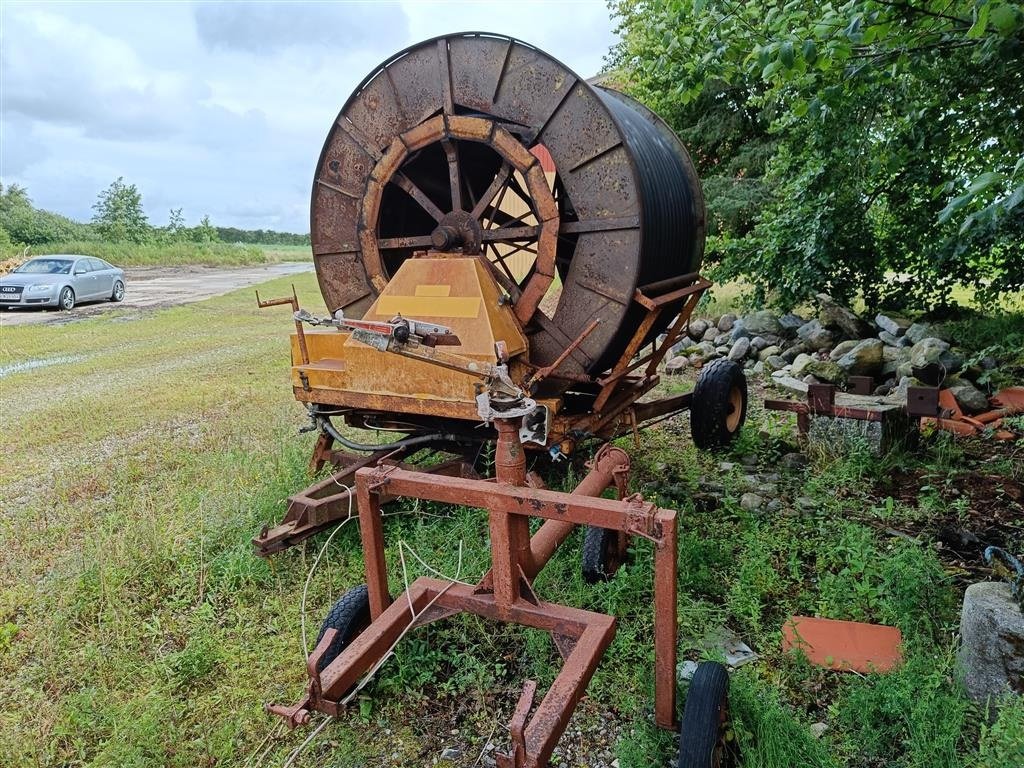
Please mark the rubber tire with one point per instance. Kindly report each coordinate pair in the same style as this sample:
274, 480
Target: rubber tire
350, 616
113, 294
67, 294
700, 730
596, 542
710, 406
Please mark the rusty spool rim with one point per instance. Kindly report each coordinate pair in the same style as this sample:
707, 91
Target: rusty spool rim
442, 129
605, 222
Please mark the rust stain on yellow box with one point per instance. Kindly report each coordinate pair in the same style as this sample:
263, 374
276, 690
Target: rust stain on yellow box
419, 307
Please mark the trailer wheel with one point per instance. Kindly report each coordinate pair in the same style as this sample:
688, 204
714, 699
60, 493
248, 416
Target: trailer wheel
719, 405
600, 554
349, 616
702, 733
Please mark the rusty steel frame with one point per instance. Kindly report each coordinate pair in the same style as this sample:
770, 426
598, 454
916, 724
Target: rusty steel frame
506, 593
326, 502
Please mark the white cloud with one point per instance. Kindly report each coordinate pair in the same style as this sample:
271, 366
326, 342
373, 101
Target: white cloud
219, 108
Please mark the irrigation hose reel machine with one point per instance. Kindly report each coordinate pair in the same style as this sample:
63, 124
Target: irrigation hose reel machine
507, 252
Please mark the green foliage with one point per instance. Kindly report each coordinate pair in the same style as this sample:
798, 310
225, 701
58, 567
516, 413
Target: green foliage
23, 224
119, 217
1002, 743
261, 236
914, 717
877, 143
126, 254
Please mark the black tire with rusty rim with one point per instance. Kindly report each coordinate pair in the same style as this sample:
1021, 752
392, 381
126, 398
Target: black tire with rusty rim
704, 727
719, 405
350, 615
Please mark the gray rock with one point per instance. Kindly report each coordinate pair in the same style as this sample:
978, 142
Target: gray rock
710, 334
756, 368
810, 378
739, 350
991, 658
893, 324
775, 363
988, 363
968, 397
751, 502
790, 385
894, 341
865, 359
919, 331
899, 393
762, 322
826, 370
726, 322
697, 328
814, 336
794, 351
767, 352
818, 729
842, 348
799, 364
739, 330
790, 323
758, 343
806, 503
932, 360
794, 460
884, 389
833, 315
677, 365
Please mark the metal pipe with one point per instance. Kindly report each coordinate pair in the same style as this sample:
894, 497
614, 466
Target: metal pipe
408, 442
608, 462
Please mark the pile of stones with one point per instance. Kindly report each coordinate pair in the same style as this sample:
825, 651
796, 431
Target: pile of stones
790, 351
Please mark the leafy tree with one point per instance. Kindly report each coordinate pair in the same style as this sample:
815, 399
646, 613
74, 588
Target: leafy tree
175, 230
28, 225
205, 232
119, 215
883, 136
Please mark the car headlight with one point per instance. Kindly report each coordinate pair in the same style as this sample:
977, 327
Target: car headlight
45, 287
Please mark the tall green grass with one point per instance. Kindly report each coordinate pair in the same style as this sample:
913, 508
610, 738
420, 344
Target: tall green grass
163, 254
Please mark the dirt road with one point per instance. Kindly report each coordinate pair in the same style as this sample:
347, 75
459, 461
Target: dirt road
156, 287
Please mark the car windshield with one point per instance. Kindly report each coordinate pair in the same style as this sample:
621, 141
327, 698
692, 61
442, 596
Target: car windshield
46, 267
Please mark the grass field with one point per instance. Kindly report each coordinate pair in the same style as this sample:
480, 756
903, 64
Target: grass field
178, 254
137, 628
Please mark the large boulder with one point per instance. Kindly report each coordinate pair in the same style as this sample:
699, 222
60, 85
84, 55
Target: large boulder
677, 365
919, 331
726, 322
762, 322
790, 324
799, 364
932, 360
991, 659
739, 349
893, 324
842, 348
814, 336
833, 315
826, 371
865, 359
697, 328
968, 397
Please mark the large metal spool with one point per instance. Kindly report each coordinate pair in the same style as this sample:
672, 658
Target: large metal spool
428, 147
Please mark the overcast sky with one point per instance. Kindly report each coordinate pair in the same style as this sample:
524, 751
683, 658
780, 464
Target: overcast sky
220, 108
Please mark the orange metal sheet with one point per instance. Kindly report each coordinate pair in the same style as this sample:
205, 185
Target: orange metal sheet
844, 645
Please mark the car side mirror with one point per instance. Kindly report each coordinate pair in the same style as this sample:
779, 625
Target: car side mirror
79, 271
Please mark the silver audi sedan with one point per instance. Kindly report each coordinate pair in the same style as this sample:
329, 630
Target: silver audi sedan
61, 281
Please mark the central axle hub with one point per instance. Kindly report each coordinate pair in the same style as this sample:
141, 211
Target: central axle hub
457, 231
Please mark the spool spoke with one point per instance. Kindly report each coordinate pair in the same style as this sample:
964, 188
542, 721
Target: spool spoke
417, 194
492, 191
508, 234
452, 153
404, 242
500, 260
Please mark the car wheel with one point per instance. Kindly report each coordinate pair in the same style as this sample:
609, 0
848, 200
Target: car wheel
118, 294
67, 299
